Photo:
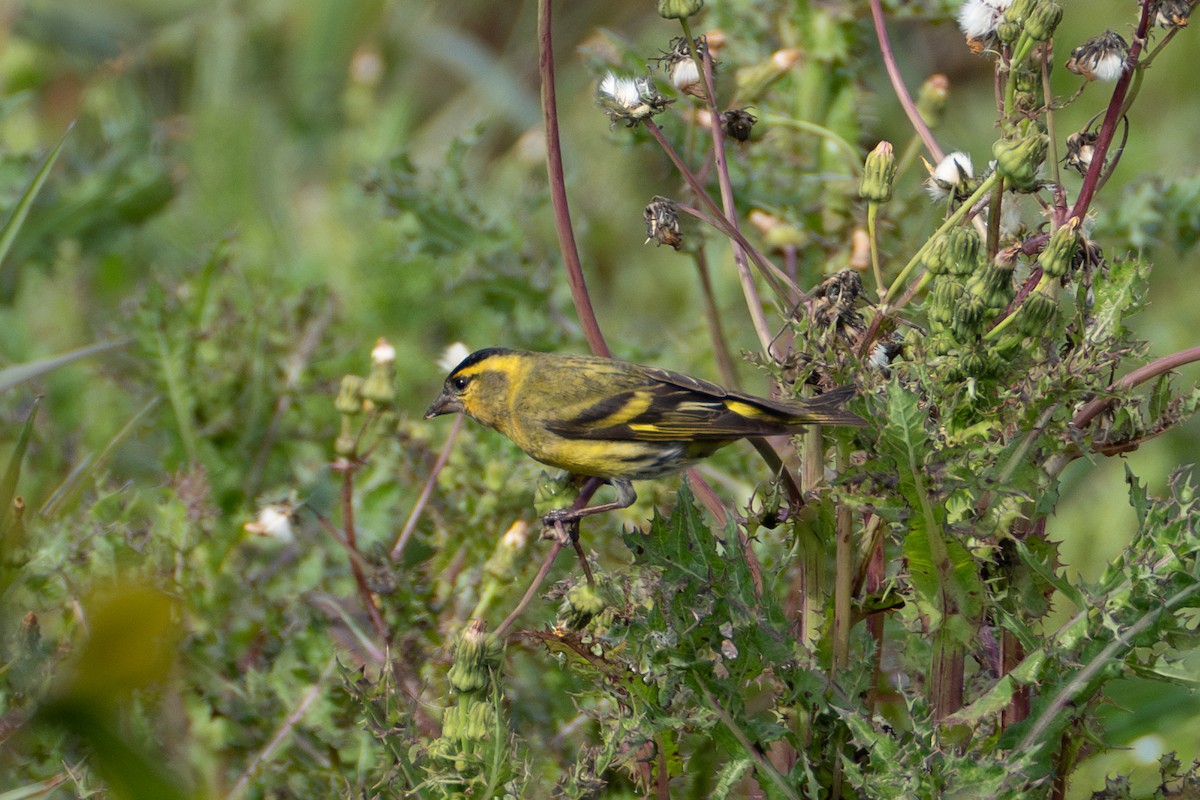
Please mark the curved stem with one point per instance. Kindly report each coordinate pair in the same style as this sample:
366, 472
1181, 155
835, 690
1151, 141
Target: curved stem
889, 61
1140, 375
853, 158
558, 188
443, 456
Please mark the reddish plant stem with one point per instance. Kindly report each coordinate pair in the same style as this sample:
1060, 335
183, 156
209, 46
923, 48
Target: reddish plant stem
1091, 181
414, 516
889, 62
348, 539
558, 188
1140, 375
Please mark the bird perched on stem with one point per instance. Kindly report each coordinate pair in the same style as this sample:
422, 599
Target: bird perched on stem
616, 421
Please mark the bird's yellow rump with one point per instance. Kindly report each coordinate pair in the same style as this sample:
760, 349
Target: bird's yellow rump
614, 420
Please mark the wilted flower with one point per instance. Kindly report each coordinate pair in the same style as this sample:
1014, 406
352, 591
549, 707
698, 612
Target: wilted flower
630, 100
681, 68
1081, 148
952, 174
1172, 13
979, 19
662, 223
1101, 58
737, 124
274, 522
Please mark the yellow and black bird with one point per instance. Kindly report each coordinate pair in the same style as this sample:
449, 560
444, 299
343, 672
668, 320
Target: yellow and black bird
614, 420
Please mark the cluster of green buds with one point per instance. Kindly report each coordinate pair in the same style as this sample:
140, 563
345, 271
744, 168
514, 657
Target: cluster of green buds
357, 394
662, 223
967, 293
472, 720
1019, 159
477, 659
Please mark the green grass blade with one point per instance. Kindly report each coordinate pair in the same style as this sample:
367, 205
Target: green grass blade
20, 373
17, 218
8, 484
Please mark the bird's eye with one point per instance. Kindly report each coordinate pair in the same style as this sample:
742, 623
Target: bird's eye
459, 383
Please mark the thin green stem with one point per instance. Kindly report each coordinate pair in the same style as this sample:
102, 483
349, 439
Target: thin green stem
951, 221
854, 159
873, 239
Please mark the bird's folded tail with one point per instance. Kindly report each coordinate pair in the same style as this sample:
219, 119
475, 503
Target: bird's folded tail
826, 409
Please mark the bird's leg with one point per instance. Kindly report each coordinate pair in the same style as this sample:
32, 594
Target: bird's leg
565, 521
579, 509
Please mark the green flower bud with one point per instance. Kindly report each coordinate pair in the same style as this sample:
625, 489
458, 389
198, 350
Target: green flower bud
1038, 311
380, 385
480, 722
503, 563
476, 658
931, 99
1007, 31
969, 318
679, 9
1056, 259
349, 399
1018, 11
943, 302
1018, 160
937, 257
347, 440
878, 174
1043, 20
962, 251
993, 285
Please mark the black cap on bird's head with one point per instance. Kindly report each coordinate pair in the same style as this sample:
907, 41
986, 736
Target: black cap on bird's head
450, 400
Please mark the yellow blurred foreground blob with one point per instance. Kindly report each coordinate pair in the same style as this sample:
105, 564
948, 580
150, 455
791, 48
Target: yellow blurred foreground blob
132, 634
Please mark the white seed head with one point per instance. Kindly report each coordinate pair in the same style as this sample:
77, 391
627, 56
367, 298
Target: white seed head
978, 18
622, 91
953, 171
383, 352
453, 355
274, 522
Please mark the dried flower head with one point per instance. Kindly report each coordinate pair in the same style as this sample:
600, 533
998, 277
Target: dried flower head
274, 522
662, 223
953, 173
682, 69
1081, 148
630, 100
979, 20
737, 123
1172, 14
1101, 58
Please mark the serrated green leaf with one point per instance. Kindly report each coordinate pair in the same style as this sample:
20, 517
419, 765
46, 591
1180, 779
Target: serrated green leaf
1119, 294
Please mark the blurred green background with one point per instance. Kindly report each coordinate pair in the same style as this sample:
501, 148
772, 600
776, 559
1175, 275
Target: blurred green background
239, 170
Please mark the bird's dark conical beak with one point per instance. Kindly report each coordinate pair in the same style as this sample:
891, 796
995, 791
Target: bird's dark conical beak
445, 403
